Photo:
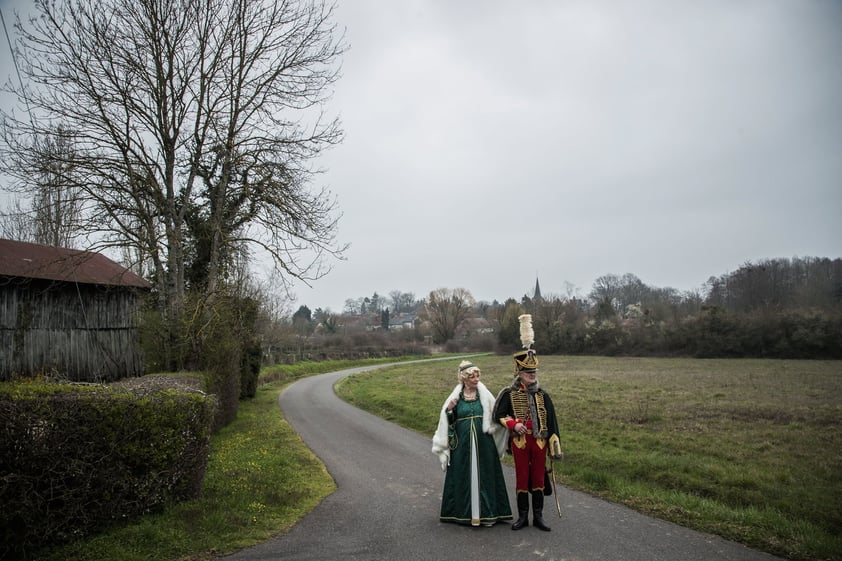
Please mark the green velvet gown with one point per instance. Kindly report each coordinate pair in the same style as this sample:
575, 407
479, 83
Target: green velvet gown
474, 492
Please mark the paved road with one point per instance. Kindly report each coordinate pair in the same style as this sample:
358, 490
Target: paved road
389, 490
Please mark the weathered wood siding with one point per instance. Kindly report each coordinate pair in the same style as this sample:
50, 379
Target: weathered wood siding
83, 332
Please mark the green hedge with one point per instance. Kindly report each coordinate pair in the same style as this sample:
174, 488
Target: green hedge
713, 333
76, 459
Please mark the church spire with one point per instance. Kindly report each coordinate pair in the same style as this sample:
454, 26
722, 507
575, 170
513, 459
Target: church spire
537, 295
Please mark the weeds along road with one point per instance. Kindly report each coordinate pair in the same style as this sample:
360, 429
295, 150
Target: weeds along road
388, 495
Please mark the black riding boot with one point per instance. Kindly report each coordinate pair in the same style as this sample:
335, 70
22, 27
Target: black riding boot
522, 511
538, 510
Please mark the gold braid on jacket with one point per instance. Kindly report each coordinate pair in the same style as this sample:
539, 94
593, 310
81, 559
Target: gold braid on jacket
520, 407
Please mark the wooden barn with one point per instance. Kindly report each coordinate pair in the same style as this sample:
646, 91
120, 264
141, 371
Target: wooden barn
67, 313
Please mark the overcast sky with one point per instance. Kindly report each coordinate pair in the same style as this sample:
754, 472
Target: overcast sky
489, 143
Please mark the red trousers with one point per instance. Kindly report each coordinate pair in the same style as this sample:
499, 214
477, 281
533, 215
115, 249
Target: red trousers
530, 463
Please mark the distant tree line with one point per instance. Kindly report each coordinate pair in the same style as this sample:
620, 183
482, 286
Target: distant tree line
782, 308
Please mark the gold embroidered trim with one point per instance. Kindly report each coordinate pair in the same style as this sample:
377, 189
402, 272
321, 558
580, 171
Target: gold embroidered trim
520, 407
555, 447
542, 412
520, 404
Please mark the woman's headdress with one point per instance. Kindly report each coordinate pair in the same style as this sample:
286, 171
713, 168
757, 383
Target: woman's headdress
466, 369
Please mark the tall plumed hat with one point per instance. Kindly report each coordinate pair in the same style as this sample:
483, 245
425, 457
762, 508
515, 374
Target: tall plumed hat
526, 359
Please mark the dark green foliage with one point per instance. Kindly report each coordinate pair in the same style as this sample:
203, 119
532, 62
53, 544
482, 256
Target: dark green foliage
508, 331
250, 370
218, 338
76, 459
303, 314
792, 334
246, 314
221, 363
330, 324
714, 332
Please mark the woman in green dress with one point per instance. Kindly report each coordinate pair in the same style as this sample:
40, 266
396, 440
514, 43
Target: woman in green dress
469, 445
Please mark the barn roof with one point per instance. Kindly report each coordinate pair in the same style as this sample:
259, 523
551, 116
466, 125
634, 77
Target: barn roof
29, 260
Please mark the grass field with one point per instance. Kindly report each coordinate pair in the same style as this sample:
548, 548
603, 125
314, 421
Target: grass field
747, 449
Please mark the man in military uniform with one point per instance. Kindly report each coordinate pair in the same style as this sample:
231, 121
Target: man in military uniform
527, 412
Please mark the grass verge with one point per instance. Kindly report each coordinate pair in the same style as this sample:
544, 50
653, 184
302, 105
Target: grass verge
747, 449
260, 480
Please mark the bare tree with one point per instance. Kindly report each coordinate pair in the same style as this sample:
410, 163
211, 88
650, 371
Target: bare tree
16, 222
547, 313
56, 204
402, 301
45, 183
193, 125
353, 306
396, 296
777, 284
618, 292
445, 309
508, 332
606, 291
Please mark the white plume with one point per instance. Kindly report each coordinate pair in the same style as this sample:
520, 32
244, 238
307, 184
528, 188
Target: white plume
527, 335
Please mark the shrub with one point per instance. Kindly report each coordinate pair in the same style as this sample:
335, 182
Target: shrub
250, 370
76, 459
222, 365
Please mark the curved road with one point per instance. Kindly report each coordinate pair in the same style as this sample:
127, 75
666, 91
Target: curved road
388, 495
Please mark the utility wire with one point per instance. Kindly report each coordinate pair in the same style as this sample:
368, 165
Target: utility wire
15, 62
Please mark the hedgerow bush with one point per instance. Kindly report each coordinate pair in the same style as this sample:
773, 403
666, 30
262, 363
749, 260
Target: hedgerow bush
250, 363
713, 333
76, 459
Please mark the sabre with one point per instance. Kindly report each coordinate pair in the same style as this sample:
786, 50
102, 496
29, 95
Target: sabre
555, 489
